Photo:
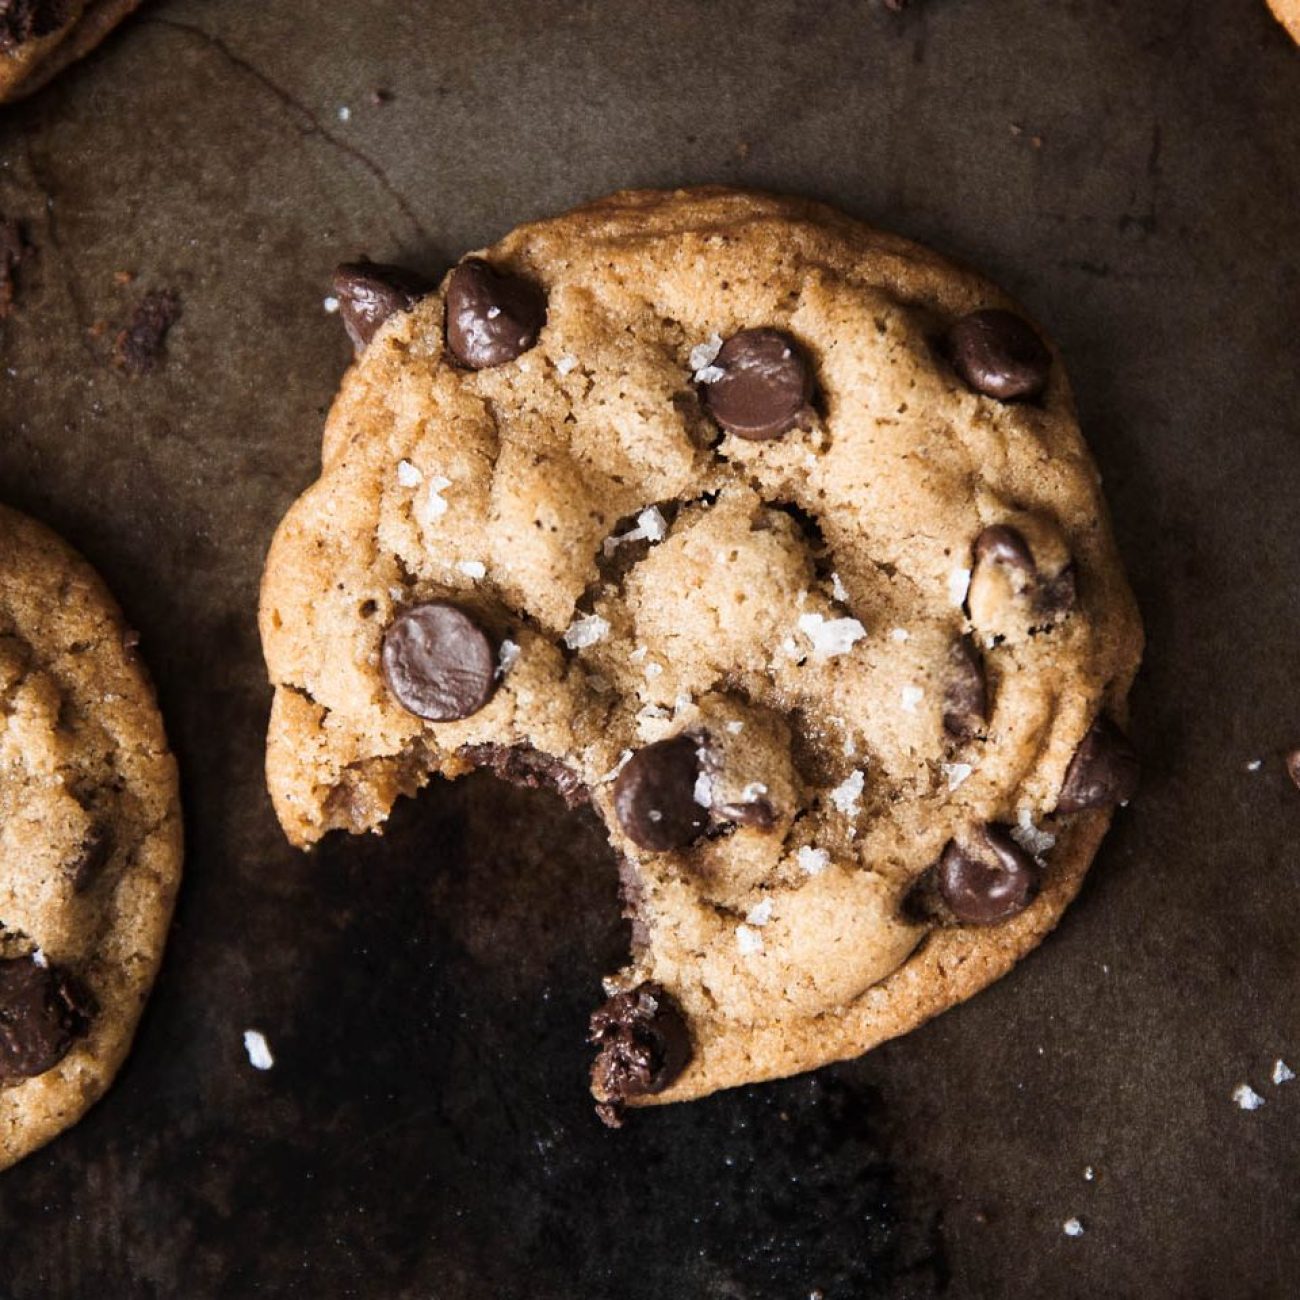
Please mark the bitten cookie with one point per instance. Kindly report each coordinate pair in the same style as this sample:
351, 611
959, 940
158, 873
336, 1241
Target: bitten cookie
1287, 12
39, 38
90, 837
773, 536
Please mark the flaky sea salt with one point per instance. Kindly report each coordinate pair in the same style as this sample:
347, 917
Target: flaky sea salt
408, 475
507, 656
345, 113
623, 760
754, 790
735, 726
760, 914
651, 526
704, 790
812, 861
847, 796
586, 630
1246, 1097
1072, 1228
709, 375
704, 354
958, 586
331, 304
831, 636
899, 634
475, 569
653, 670
566, 363
1088, 1173
259, 1052
1282, 1072
838, 589
748, 940
1254, 765
909, 697
955, 773
434, 506
1029, 837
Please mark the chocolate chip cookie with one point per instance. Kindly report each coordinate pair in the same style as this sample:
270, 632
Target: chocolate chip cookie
1287, 12
771, 535
90, 837
39, 38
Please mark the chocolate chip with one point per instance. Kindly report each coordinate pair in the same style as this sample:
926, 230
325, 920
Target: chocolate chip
438, 662
1001, 544
491, 317
643, 1046
1058, 595
998, 354
91, 857
965, 697
654, 795
529, 767
1292, 761
988, 879
42, 1012
370, 292
1103, 771
139, 346
765, 385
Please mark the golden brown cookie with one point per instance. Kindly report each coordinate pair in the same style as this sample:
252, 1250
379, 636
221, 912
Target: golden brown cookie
90, 837
39, 38
773, 535
1287, 12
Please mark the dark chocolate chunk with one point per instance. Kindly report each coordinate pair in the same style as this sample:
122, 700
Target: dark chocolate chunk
1058, 595
370, 292
42, 1012
1292, 761
138, 347
1103, 771
988, 879
643, 1044
998, 354
91, 857
491, 317
526, 766
765, 386
965, 697
654, 795
27, 20
438, 662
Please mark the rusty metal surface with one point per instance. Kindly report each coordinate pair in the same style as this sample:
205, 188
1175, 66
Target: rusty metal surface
1131, 172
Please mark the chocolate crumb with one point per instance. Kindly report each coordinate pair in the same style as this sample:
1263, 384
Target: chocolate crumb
138, 347
14, 250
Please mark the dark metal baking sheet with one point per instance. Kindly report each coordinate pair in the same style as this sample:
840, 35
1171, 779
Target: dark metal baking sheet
1130, 171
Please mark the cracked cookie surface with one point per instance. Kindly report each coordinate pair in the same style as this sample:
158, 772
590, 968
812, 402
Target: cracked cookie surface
774, 534
90, 836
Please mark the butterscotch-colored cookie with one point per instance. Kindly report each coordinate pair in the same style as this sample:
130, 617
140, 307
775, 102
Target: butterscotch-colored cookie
39, 38
1287, 12
776, 538
90, 837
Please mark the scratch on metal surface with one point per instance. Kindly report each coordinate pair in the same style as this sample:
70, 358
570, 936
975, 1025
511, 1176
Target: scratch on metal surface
310, 124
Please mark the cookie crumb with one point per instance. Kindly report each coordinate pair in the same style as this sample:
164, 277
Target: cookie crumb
1072, 1228
259, 1052
1246, 1097
812, 861
1292, 761
1282, 1072
138, 347
586, 630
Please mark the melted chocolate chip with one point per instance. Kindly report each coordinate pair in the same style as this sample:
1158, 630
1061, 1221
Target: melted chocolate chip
1103, 771
491, 317
91, 857
965, 697
654, 795
998, 354
42, 1012
1058, 595
765, 385
526, 766
643, 1044
988, 879
370, 292
26, 20
1001, 544
438, 662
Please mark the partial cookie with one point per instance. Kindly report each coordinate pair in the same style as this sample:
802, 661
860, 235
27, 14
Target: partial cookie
39, 38
1287, 12
776, 538
90, 837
